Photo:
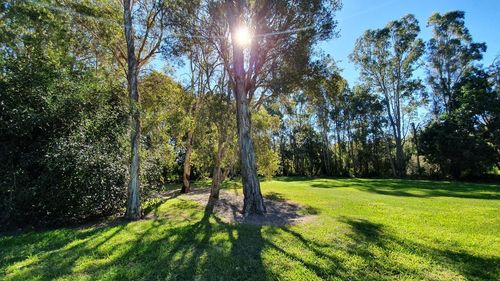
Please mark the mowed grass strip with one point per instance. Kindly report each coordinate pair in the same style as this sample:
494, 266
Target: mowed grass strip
364, 229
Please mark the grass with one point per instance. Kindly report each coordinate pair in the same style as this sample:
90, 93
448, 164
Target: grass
364, 230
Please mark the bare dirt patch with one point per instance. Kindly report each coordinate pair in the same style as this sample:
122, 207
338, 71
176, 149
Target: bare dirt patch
228, 208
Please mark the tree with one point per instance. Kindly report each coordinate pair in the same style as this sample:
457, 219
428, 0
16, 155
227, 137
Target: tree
366, 112
451, 55
320, 93
387, 58
283, 35
205, 71
463, 141
219, 109
150, 26
164, 121
267, 158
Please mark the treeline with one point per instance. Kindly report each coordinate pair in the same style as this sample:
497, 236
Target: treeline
74, 130
394, 124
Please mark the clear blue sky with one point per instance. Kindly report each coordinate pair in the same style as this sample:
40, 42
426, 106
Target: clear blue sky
482, 18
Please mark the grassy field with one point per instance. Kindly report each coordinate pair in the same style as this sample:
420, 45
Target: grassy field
364, 230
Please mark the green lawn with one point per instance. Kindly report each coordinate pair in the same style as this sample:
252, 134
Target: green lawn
364, 230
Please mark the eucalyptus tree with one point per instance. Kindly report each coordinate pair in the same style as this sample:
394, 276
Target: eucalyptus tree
219, 109
144, 22
464, 142
366, 117
163, 118
143, 26
191, 38
387, 58
133, 41
451, 55
210, 112
257, 41
325, 89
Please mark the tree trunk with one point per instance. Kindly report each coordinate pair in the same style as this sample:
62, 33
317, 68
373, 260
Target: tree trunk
218, 176
133, 201
216, 181
400, 166
187, 164
415, 140
253, 202
391, 161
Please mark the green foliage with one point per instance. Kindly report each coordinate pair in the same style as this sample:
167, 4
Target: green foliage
61, 123
267, 158
464, 142
64, 149
451, 54
63, 106
387, 58
217, 131
366, 112
164, 122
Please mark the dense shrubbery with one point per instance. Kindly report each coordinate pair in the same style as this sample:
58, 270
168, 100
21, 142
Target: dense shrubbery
62, 123
63, 157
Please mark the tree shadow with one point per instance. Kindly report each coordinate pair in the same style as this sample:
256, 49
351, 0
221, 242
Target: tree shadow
293, 178
153, 204
203, 247
191, 252
416, 188
56, 250
371, 238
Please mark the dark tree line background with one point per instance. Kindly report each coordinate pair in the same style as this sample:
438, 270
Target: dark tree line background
64, 111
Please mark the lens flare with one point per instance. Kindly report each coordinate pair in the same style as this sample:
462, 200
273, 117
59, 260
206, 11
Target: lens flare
243, 36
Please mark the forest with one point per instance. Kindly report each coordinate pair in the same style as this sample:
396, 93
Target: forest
106, 105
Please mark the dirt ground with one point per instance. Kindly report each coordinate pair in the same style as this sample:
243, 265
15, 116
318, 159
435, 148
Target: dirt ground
228, 208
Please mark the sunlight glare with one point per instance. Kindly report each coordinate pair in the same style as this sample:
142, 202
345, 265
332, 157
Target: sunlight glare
243, 37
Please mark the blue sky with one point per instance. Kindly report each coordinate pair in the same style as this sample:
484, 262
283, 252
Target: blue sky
482, 18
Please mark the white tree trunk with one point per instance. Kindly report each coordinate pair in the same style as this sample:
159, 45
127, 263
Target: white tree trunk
133, 201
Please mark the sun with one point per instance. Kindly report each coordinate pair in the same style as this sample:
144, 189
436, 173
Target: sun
243, 36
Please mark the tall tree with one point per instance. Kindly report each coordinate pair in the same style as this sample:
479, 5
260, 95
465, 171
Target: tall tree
206, 71
148, 29
283, 35
164, 104
451, 55
463, 142
387, 58
325, 88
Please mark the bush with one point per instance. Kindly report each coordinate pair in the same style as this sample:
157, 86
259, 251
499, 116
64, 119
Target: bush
63, 155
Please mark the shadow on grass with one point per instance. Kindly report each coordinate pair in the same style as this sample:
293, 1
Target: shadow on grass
371, 238
152, 205
293, 178
414, 188
275, 196
202, 247
146, 250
